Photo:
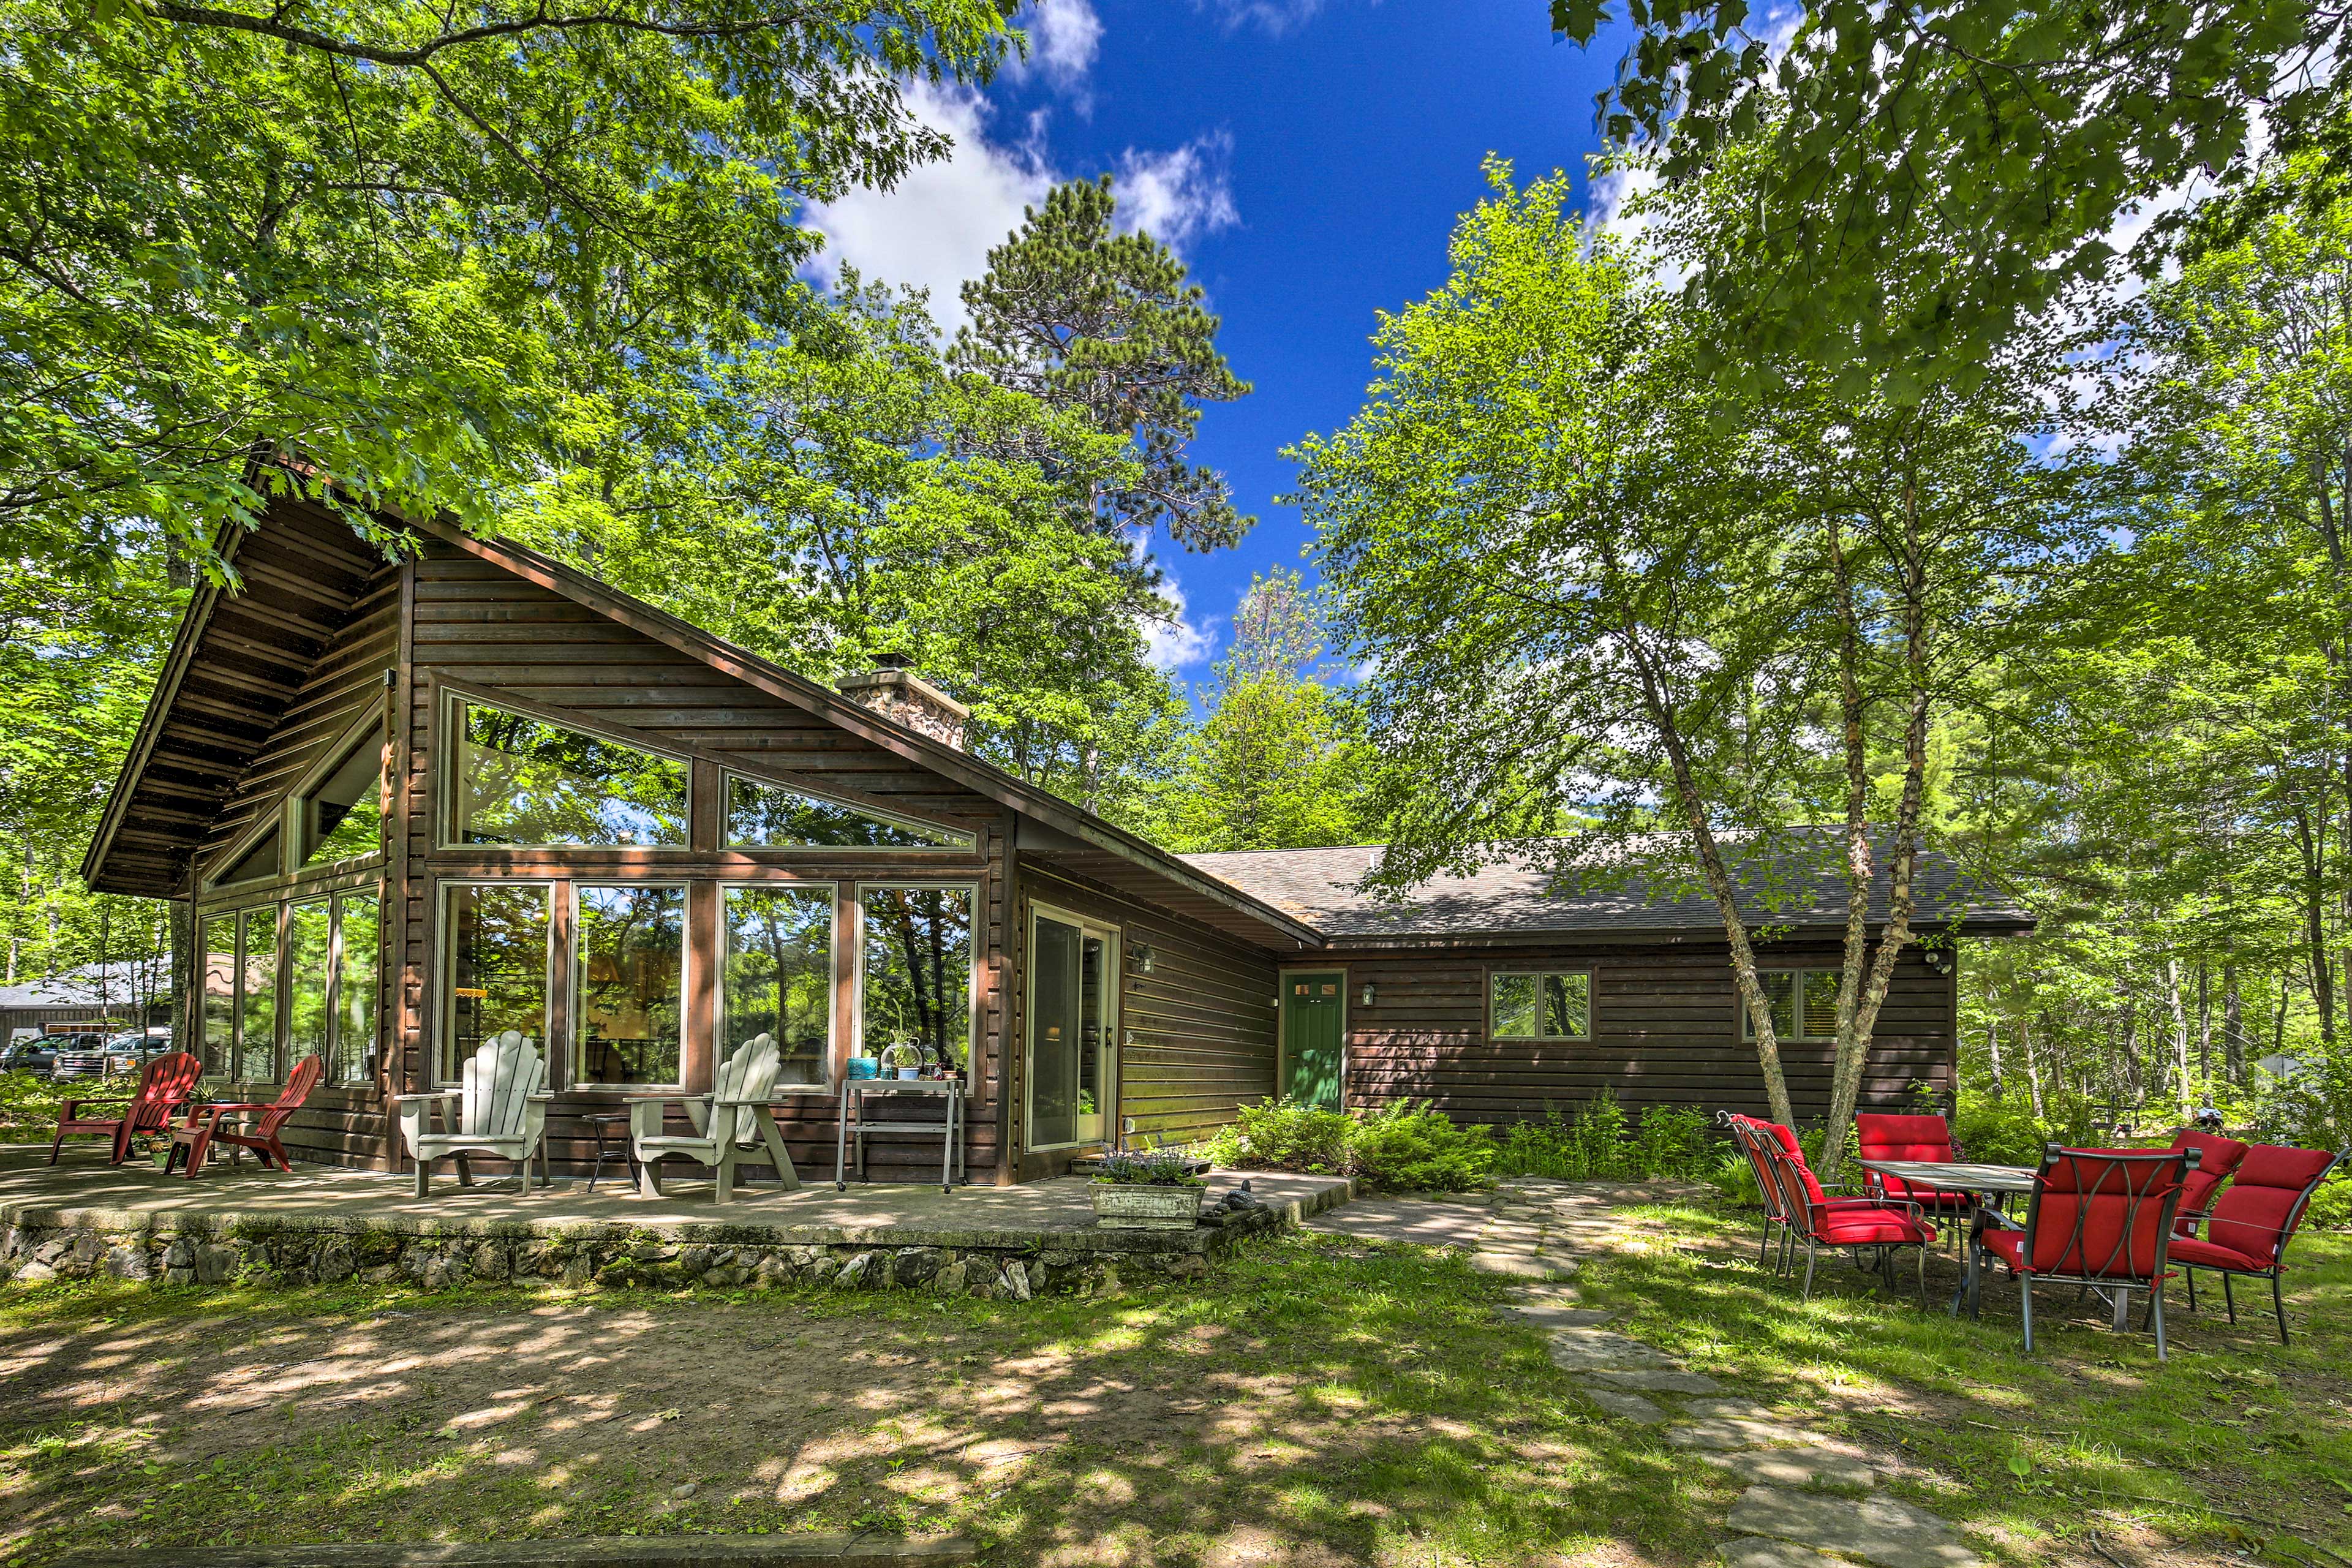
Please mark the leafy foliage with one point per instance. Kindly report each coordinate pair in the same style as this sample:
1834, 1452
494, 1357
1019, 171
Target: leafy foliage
1149, 1168
1595, 1140
1402, 1147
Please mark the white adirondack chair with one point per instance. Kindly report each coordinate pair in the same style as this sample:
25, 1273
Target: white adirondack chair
733, 1124
501, 1111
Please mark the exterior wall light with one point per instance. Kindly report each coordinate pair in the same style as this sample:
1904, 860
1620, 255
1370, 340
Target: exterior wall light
1143, 956
1365, 996
1939, 958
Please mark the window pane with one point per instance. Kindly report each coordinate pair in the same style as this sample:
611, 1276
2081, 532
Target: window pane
262, 860
1515, 1006
257, 1054
357, 980
497, 970
525, 781
779, 976
1780, 991
219, 1048
764, 816
632, 956
306, 962
343, 817
1821, 1004
916, 975
1568, 1006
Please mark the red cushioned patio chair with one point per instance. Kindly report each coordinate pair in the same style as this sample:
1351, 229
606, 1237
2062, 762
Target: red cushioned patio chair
204, 1125
1748, 1134
164, 1086
2218, 1160
2247, 1232
2101, 1219
1820, 1220
1928, 1138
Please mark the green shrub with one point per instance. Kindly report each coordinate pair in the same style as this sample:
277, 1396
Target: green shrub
1595, 1143
1285, 1135
1151, 1168
1408, 1147
1672, 1141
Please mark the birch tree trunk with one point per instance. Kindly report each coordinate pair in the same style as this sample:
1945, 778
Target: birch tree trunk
1992, 1049
2204, 1021
2032, 1068
2179, 1034
2233, 1025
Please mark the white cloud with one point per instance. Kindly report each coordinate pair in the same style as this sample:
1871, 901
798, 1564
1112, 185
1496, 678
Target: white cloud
1276, 16
1064, 37
1177, 644
934, 229
1178, 195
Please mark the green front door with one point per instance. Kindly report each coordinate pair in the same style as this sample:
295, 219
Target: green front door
1313, 1011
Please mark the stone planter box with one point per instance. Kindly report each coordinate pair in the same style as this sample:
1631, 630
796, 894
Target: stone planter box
1120, 1206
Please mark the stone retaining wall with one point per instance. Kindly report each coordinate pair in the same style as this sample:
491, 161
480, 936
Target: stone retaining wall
247, 1251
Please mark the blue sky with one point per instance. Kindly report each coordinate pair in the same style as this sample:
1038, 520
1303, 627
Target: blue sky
1307, 157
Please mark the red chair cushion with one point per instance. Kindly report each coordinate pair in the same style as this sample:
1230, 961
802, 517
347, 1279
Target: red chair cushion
2099, 1213
1927, 1197
2252, 1217
2206, 1254
2008, 1245
1902, 1137
2217, 1158
1858, 1225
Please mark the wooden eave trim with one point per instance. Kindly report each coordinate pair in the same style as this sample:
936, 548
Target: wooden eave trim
861, 721
159, 705
1676, 936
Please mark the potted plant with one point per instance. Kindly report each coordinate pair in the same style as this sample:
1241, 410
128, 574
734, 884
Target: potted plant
905, 1056
1156, 1191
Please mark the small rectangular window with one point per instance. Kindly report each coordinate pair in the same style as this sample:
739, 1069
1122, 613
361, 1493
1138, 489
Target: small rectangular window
521, 781
915, 979
1779, 988
628, 965
256, 1036
1821, 1004
308, 927
357, 976
779, 976
1550, 1004
769, 816
497, 935
219, 1049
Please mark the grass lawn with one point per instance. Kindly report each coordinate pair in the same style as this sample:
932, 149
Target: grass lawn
1320, 1402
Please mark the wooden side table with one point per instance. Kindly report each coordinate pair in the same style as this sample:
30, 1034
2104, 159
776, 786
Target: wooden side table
951, 1165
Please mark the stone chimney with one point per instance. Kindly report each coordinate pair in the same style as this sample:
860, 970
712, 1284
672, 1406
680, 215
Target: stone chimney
899, 693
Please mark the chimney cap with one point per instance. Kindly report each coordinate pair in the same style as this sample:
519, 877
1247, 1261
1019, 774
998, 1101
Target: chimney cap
899, 694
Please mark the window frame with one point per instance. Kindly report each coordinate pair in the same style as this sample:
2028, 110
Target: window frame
1591, 1009
363, 1063
246, 843
833, 890
445, 990
728, 844
973, 1033
1114, 1021
1797, 973
449, 752
572, 1076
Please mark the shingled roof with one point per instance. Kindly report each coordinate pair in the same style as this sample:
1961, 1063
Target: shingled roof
1799, 888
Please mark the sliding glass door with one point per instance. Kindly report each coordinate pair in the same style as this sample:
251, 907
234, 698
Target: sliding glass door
1073, 1019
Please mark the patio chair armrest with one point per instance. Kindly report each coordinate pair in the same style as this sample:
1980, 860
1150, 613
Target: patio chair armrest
67, 1109
439, 1094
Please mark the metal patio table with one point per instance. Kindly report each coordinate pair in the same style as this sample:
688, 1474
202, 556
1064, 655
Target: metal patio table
950, 1132
1962, 1176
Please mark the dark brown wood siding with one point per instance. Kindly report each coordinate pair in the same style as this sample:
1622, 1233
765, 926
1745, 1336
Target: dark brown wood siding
1201, 1025
477, 628
1666, 1028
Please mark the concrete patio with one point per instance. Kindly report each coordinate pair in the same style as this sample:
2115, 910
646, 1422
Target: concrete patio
317, 1224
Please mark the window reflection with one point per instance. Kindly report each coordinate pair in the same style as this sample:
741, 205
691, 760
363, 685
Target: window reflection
523, 781
629, 960
916, 982
763, 815
256, 1053
307, 931
343, 819
497, 968
779, 976
357, 978
219, 1048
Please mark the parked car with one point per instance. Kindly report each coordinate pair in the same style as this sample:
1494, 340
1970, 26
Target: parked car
79, 1056
135, 1049
34, 1053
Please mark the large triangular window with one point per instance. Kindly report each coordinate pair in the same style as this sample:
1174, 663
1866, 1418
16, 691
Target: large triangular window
769, 816
343, 817
522, 780
260, 859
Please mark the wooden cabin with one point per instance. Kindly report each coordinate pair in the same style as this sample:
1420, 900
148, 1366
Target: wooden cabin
412, 803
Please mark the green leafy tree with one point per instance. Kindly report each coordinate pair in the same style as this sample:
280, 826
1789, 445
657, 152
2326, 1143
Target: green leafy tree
1082, 317
1279, 763
429, 249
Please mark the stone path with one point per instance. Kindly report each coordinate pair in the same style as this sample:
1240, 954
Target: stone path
1809, 1503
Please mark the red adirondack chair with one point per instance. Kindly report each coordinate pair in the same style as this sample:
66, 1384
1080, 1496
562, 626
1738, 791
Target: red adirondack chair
204, 1125
1820, 1220
164, 1085
2218, 1160
2100, 1218
2250, 1223
1882, 1137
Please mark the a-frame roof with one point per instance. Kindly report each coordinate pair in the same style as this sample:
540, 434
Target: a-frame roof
238, 657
